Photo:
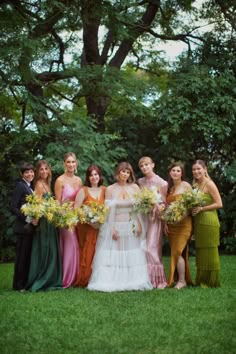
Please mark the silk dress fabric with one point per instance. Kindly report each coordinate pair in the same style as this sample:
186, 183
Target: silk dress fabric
207, 239
45, 271
87, 236
154, 236
121, 264
178, 237
69, 244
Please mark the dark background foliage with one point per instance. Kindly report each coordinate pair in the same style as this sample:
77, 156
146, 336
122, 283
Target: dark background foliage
90, 77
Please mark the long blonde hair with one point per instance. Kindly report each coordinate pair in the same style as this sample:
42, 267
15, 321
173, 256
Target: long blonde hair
71, 154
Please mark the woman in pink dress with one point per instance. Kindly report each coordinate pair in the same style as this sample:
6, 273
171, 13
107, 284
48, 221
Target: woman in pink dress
154, 224
66, 189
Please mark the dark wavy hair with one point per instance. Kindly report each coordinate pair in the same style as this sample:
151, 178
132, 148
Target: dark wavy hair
89, 171
170, 181
38, 165
125, 166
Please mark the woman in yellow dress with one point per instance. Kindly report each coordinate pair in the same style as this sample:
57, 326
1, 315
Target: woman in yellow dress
178, 234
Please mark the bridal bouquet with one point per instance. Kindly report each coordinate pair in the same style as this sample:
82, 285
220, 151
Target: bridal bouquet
146, 199
92, 213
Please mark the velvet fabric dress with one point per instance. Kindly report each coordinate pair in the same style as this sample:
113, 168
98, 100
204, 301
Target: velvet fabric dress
154, 236
45, 270
178, 237
87, 236
207, 240
69, 244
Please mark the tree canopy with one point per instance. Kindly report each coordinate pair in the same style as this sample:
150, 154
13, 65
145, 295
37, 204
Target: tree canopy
91, 76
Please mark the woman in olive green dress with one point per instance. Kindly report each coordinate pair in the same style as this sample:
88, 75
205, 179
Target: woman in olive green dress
206, 228
45, 266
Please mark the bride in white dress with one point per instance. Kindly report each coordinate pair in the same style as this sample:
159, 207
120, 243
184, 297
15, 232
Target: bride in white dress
120, 262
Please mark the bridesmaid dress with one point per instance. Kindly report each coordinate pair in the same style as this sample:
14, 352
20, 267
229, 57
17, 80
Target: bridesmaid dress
87, 236
69, 244
154, 236
207, 240
178, 237
45, 271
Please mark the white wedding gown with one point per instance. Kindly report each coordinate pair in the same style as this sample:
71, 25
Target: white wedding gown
121, 264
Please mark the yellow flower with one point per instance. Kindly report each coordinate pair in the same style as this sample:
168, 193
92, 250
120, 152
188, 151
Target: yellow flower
93, 213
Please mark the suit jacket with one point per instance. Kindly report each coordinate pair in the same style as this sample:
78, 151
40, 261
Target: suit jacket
18, 199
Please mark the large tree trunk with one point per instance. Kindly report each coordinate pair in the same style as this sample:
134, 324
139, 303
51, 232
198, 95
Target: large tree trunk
97, 101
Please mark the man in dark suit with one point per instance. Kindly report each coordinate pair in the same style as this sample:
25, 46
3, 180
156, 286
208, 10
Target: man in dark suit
22, 229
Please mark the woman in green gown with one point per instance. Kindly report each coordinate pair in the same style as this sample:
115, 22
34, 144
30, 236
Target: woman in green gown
206, 228
45, 266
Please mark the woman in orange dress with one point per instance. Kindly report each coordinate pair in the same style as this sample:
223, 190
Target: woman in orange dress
87, 233
180, 233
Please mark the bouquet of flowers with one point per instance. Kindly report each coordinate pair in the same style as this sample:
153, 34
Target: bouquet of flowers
145, 200
34, 208
61, 215
92, 213
193, 198
177, 210
174, 212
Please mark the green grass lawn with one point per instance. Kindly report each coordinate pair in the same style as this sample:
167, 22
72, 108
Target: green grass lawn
71, 321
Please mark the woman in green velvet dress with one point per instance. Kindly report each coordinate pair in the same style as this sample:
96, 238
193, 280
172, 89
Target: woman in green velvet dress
45, 267
206, 228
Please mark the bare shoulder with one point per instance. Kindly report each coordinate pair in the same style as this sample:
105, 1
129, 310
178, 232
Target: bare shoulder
78, 180
38, 188
186, 185
210, 185
60, 180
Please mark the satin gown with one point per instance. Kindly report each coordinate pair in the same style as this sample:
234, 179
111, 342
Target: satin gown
178, 237
207, 240
45, 271
69, 244
87, 236
154, 236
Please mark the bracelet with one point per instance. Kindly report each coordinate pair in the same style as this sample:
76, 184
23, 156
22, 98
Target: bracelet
201, 209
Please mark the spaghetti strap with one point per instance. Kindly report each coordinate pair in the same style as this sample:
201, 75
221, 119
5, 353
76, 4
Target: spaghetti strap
44, 187
204, 185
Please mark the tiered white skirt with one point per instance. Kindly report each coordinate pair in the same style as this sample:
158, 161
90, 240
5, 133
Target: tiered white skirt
121, 264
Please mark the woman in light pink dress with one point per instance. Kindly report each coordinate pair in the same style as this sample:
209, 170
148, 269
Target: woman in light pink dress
154, 225
66, 188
